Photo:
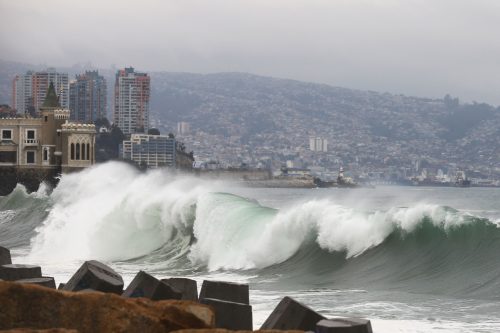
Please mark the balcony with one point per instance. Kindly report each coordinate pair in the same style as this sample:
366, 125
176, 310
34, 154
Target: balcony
31, 142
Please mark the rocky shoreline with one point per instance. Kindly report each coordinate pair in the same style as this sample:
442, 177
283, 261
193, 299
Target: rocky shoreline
95, 299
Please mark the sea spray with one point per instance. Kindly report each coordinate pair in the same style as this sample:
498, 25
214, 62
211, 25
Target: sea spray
113, 212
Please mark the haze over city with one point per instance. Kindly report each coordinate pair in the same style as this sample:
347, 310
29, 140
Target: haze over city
420, 48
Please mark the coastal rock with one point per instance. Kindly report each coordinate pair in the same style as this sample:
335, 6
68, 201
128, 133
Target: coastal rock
13, 272
226, 291
42, 308
187, 287
230, 315
292, 315
5, 258
95, 275
31, 330
44, 281
145, 285
344, 325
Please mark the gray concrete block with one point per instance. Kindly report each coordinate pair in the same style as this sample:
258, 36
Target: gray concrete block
226, 291
230, 315
95, 275
44, 281
5, 258
292, 315
13, 272
187, 287
145, 285
344, 325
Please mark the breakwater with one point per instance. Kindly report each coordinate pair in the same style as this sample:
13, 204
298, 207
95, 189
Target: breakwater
220, 304
30, 178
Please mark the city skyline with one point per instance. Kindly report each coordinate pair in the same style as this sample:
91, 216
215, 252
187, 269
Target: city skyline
425, 48
29, 89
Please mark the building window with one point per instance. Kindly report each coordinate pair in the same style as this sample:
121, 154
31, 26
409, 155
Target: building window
77, 151
88, 151
46, 118
8, 156
6, 134
72, 151
30, 157
83, 151
46, 154
30, 134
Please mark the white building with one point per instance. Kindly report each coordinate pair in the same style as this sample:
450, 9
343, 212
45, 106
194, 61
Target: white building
318, 144
151, 151
183, 128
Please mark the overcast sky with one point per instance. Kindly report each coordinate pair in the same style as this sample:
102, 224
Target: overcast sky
415, 47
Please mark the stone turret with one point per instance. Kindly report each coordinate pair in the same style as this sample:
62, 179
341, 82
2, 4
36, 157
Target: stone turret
51, 99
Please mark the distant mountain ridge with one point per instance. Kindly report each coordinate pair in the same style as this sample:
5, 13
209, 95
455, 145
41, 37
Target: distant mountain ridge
261, 111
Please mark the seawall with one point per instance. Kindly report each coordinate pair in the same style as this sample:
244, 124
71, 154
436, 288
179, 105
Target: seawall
30, 177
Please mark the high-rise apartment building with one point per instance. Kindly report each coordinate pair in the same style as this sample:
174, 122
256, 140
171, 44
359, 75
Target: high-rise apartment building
318, 144
22, 94
131, 102
87, 97
152, 151
183, 128
28, 90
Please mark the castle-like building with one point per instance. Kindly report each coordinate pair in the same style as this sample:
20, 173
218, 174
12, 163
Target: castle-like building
33, 149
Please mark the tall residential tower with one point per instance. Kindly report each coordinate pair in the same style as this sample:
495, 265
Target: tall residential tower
29, 90
131, 102
87, 97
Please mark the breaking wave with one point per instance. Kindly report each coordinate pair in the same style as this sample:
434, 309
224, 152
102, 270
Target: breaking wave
111, 212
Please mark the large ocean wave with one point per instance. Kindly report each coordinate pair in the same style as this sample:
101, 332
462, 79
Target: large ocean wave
113, 213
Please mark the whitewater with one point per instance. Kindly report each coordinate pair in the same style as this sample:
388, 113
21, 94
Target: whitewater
409, 259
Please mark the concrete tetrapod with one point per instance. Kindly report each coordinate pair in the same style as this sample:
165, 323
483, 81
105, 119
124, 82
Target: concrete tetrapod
13, 272
344, 325
230, 315
187, 287
226, 291
5, 258
24, 305
292, 315
145, 285
44, 281
95, 275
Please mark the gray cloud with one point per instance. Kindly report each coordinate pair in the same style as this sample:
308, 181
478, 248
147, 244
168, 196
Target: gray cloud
415, 47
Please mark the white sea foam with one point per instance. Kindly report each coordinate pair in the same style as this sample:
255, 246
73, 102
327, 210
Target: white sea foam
6, 216
235, 244
113, 212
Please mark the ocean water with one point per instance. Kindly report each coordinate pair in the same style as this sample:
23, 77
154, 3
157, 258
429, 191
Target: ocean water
410, 259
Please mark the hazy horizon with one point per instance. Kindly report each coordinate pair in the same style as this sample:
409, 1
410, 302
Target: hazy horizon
419, 48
